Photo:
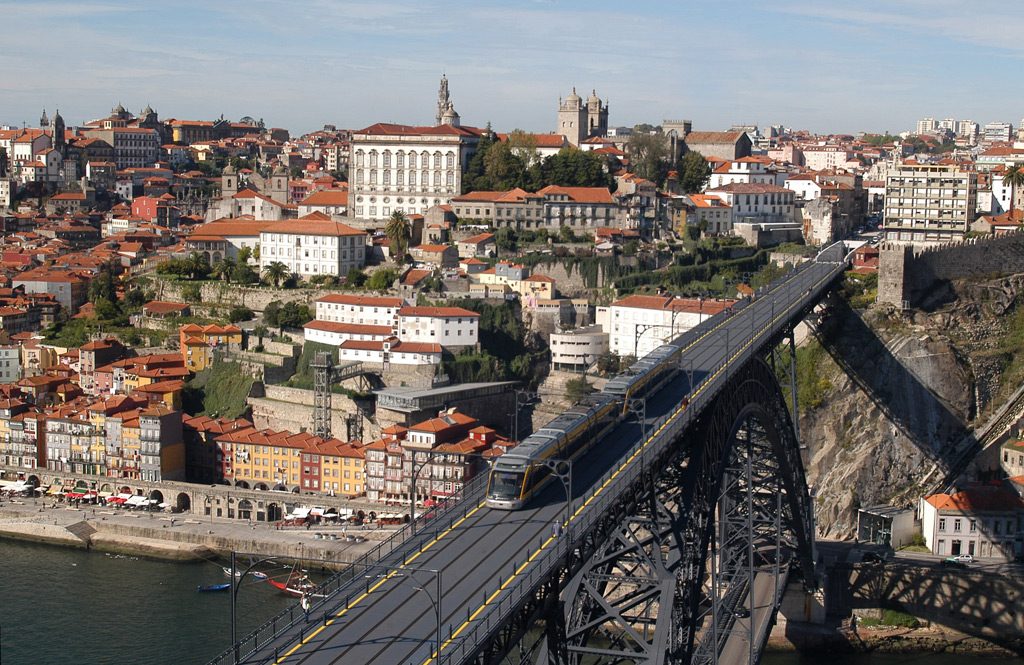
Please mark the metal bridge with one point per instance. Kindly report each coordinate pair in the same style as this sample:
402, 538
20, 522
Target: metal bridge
674, 545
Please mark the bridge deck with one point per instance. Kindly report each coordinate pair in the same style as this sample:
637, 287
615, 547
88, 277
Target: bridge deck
489, 559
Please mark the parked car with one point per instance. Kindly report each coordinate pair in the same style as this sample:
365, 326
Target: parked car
950, 563
872, 557
963, 558
741, 612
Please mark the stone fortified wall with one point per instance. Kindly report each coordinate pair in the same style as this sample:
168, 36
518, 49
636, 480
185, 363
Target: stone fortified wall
909, 274
233, 295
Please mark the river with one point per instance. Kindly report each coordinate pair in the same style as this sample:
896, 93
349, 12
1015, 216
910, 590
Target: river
61, 606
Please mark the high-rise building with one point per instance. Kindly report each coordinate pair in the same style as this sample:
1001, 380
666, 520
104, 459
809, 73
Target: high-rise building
998, 132
927, 125
929, 203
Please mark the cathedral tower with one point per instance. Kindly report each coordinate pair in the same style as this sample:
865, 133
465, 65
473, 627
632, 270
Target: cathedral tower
572, 118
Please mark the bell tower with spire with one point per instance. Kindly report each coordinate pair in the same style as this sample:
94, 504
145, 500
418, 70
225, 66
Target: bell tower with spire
442, 101
57, 134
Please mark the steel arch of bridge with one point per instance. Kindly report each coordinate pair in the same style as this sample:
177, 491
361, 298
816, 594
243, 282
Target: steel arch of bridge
731, 495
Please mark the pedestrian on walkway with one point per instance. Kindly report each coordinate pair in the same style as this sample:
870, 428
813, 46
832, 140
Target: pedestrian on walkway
304, 603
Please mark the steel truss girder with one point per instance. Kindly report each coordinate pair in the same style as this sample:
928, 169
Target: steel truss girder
684, 517
752, 397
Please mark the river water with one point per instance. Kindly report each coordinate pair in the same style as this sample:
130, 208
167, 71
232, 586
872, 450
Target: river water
63, 606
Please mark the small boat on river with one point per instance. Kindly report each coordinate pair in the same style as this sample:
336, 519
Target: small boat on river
298, 584
257, 574
215, 587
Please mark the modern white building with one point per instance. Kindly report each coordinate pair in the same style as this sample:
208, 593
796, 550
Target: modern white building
981, 521
573, 350
10, 363
313, 245
399, 167
639, 324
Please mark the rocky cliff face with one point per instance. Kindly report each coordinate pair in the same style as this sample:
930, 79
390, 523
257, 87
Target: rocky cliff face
899, 391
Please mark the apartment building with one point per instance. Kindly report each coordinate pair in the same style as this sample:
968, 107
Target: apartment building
929, 203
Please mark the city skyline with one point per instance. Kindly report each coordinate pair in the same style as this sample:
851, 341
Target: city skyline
872, 67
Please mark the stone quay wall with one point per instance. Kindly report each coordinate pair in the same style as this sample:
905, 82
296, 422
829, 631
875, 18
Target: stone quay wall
978, 603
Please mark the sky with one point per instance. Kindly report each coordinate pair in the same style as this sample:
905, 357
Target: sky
824, 66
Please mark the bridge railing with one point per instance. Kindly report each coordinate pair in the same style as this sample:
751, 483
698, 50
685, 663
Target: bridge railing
332, 587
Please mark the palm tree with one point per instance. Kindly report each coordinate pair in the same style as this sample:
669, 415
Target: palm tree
195, 262
1014, 177
222, 269
275, 272
398, 231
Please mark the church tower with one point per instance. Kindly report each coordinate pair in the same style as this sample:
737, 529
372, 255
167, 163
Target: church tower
597, 116
57, 134
43, 120
572, 118
442, 101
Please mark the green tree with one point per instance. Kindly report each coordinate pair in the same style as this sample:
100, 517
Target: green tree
276, 272
382, 280
271, 312
355, 278
244, 274
293, 315
398, 231
565, 234
503, 168
648, 156
524, 147
222, 269
694, 173
102, 288
244, 254
240, 314
1014, 177
3, 162
260, 331
197, 265
505, 239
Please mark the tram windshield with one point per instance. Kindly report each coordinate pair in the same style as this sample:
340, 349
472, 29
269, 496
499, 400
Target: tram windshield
506, 484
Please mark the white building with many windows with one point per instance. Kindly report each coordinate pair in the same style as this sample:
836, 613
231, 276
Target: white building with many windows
313, 245
399, 167
386, 330
929, 202
451, 327
362, 310
981, 521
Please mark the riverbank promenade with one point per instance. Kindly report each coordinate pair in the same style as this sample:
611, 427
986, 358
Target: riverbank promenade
178, 536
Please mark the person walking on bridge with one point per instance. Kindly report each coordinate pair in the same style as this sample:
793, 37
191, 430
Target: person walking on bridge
304, 604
